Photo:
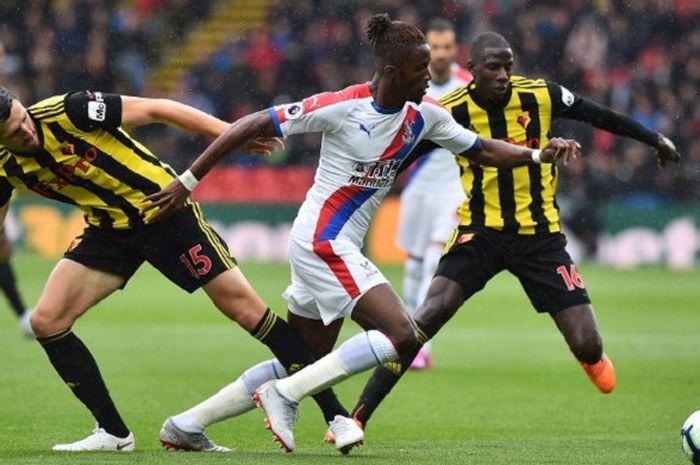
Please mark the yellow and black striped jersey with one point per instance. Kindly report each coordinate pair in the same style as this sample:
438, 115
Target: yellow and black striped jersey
520, 199
86, 159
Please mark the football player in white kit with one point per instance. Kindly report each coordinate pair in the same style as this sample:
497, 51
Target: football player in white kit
368, 132
433, 192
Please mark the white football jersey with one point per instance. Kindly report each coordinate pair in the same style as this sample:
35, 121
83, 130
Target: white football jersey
438, 171
362, 149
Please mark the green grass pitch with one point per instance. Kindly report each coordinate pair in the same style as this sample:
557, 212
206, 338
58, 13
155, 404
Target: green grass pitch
505, 389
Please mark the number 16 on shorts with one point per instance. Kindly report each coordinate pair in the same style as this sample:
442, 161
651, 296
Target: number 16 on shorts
571, 277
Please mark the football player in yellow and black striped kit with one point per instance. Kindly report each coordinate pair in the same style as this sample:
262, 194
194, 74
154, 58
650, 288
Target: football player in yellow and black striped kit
510, 219
73, 148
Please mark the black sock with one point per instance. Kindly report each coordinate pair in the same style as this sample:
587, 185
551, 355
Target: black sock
330, 405
384, 379
283, 341
76, 366
380, 384
292, 353
9, 287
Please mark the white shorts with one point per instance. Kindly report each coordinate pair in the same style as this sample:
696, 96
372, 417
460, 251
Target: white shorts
328, 278
425, 218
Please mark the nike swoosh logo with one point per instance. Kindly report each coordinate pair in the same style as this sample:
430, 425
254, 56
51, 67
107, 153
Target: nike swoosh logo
123, 445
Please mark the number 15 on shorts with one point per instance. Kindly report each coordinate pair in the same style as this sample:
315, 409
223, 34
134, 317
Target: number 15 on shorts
197, 264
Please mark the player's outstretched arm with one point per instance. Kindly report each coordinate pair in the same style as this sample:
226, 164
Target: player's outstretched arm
583, 109
172, 198
137, 111
500, 154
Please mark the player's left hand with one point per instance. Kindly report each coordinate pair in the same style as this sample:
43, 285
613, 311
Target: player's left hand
560, 149
168, 201
263, 146
666, 151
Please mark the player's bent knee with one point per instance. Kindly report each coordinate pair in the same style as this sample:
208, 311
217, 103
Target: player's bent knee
46, 323
245, 310
235, 298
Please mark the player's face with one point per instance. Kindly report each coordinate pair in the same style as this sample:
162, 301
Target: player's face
415, 74
18, 132
492, 72
443, 51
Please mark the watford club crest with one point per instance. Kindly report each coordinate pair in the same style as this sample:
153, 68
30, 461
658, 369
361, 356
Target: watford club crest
524, 119
67, 148
466, 237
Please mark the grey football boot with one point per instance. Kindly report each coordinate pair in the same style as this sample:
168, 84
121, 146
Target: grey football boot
280, 414
174, 438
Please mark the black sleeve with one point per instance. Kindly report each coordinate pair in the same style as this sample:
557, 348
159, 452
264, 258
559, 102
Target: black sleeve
5, 191
92, 110
566, 104
418, 151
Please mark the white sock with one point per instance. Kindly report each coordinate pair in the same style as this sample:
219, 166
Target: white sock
430, 262
412, 272
231, 401
357, 354
256, 376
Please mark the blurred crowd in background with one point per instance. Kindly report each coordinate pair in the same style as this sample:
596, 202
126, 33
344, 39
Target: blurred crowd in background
640, 57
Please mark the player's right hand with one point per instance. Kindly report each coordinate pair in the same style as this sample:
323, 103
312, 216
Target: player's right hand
560, 149
167, 201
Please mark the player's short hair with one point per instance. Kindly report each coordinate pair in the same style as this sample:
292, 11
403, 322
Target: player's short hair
6, 99
440, 25
392, 40
487, 40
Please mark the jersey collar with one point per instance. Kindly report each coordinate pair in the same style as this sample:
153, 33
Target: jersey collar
384, 111
486, 104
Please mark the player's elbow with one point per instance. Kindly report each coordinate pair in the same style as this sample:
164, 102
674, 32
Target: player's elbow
501, 155
161, 110
258, 124
486, 157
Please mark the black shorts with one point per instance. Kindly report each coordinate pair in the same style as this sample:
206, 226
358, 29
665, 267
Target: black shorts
474, 255
184, 248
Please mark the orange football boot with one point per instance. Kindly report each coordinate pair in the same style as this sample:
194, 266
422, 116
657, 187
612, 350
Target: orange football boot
602, 374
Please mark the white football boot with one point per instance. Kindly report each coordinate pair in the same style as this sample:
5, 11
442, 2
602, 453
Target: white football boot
99, 440
345, 432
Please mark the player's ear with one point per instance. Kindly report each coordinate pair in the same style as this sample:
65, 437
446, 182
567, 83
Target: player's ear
470, 66
391, 72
